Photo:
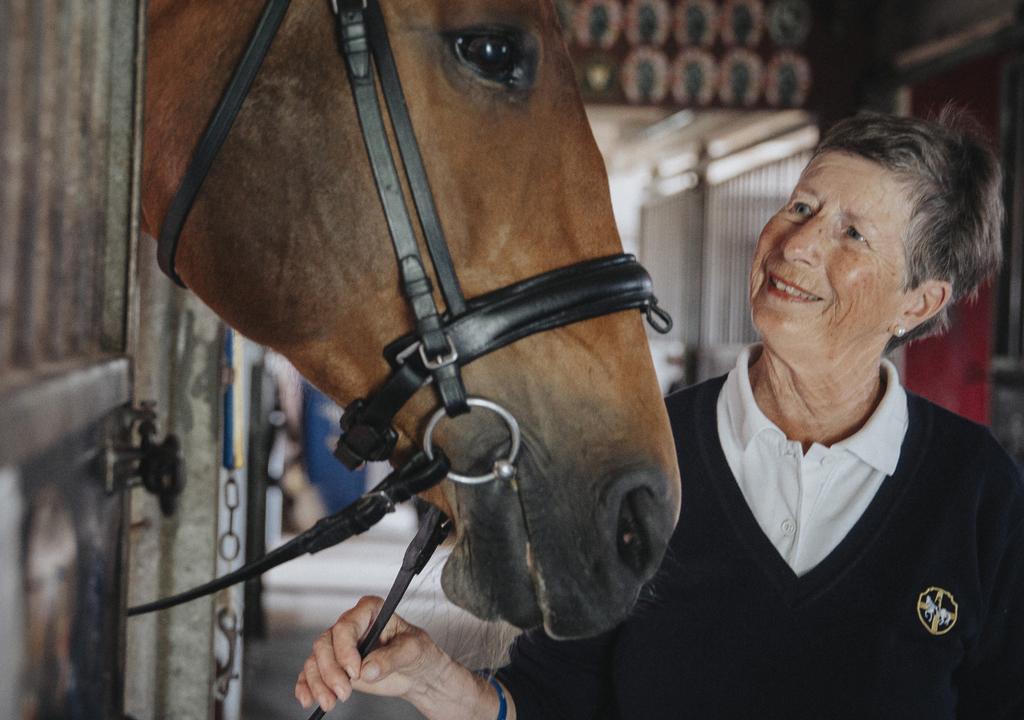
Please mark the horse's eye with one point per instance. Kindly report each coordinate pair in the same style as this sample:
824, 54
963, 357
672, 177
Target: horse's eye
494, 56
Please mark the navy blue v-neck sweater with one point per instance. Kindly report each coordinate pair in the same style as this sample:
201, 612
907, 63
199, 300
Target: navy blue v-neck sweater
917, 614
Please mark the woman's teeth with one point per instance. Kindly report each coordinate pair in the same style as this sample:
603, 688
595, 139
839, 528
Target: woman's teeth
790, 290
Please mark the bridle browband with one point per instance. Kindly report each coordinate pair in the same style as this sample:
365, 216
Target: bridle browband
440, 343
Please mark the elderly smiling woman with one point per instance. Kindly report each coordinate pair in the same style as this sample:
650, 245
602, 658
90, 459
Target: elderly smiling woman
846, 549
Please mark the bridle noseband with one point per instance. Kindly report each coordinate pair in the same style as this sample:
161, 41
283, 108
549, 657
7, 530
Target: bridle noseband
441, 342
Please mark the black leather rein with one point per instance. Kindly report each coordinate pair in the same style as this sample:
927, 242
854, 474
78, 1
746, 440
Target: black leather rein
441, 342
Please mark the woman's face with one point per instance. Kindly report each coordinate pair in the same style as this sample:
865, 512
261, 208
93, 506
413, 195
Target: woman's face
828, 270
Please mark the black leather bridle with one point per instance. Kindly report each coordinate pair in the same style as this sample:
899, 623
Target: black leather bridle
441, 342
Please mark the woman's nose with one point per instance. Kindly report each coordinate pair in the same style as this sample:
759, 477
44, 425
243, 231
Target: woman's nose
805, 243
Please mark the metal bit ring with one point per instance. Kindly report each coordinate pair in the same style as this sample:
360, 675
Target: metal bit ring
504, 469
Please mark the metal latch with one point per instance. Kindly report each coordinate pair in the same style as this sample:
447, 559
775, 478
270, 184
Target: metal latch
227, 621
132, 457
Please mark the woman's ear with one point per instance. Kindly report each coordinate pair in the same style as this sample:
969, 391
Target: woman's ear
925, 301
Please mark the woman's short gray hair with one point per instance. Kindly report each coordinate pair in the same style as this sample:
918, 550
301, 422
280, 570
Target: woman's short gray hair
955, 184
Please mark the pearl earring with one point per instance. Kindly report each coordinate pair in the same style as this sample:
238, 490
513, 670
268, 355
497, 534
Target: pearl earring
900, 331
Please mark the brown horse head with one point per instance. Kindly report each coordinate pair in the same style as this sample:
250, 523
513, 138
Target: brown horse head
287, 242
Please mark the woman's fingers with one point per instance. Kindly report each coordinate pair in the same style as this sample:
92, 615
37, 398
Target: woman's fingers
324, 696
349, 629
327, 674
335, 667
302, 691
330, 670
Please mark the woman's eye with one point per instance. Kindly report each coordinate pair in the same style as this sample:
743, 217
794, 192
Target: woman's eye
497, 57
851, 232
802, 209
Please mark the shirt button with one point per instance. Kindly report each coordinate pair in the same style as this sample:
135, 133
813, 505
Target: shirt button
788, 526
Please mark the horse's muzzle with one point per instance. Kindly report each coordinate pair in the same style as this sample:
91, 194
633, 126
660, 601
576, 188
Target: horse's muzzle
573, 560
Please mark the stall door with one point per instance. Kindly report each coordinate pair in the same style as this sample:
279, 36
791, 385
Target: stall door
68, 82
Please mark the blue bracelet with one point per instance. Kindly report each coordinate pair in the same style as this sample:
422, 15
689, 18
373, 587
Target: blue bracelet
502, 702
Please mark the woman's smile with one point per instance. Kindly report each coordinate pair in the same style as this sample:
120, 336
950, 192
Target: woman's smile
789, 291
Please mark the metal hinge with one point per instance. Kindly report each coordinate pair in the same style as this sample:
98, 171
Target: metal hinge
132, 457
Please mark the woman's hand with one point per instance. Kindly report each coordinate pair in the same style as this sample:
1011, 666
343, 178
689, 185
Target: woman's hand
405, 660
406, 664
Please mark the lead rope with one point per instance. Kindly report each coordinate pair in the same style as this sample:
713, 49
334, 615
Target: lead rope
433, 529
417, 475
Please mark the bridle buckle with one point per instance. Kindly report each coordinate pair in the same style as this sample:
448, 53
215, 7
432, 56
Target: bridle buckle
439, 361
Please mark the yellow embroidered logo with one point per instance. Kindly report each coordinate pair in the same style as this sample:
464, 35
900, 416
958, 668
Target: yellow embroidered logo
936, 609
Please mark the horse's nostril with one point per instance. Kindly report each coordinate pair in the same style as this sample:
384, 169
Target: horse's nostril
632, 545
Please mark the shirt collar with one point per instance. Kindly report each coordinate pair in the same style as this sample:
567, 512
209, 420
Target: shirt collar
877, 443
745, 418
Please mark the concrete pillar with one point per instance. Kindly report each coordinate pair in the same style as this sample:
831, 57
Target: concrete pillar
170, 665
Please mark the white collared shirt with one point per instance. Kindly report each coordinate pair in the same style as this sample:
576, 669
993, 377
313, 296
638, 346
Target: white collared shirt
806, 504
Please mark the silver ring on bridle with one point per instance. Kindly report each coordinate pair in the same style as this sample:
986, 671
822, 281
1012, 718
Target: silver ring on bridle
504, 469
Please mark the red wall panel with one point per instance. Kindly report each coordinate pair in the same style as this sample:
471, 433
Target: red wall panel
953, 369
